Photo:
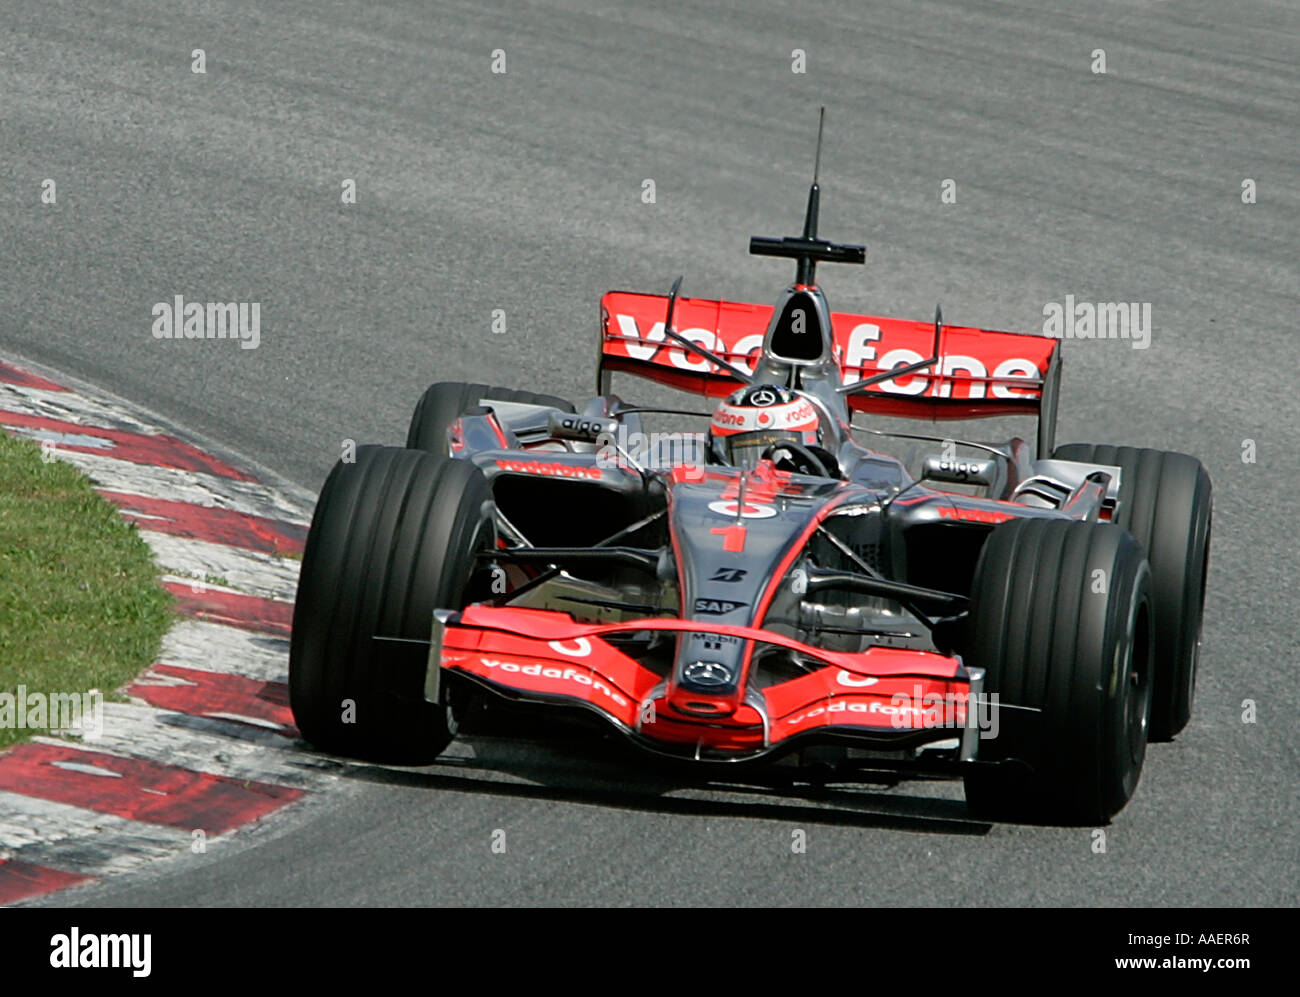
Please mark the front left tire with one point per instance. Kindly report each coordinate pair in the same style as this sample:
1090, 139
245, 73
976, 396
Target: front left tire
1060, 621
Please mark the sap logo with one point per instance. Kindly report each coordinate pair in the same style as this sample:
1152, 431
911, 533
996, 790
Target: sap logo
716, 607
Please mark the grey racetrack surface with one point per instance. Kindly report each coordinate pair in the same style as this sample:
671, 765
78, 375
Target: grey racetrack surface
522, 192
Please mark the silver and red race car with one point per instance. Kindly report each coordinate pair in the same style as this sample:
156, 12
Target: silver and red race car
766, 586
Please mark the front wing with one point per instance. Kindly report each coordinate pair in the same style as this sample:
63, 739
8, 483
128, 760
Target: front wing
883, 698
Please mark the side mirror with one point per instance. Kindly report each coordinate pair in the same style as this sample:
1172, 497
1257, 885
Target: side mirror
960, 470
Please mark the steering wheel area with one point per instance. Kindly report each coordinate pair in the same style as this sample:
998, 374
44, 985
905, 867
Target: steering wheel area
797, 458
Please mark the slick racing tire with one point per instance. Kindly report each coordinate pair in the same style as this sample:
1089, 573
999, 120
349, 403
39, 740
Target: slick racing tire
443, 403
1060, 620
393, 538
1165, 501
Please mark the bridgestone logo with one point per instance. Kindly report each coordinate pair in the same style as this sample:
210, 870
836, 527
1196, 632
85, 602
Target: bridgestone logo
550, 470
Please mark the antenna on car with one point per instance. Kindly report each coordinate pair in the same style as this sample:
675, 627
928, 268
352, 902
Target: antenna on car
817, 163
912, 368
694, 347
807, 249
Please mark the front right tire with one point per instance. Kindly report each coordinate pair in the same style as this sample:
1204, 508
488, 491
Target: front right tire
394, 536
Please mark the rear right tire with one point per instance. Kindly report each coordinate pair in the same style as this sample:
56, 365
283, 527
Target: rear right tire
446, 401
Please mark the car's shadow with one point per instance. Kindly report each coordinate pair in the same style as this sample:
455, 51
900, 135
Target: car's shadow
559, 764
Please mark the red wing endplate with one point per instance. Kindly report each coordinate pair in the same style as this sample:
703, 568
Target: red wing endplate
983, 373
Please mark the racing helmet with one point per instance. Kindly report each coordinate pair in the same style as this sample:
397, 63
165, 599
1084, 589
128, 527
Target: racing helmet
749, 421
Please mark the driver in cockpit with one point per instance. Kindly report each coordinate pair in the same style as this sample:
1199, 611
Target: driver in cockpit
770, 421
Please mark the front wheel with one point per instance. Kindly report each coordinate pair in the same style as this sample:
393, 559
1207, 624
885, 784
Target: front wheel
394, 537
1060, 620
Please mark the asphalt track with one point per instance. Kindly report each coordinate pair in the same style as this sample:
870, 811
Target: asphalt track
522, 191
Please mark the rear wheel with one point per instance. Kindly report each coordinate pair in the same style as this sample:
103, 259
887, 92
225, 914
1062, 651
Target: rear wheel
1165, 501
1060, 622
394, 537
446, 401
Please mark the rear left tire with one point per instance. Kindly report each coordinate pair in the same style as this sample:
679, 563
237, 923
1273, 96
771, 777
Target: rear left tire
1165, 501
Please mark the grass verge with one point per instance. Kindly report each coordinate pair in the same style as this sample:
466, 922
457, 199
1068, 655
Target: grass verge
81, 606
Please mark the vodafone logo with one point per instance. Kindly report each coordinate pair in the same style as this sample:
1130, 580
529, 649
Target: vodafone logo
801, 412
550, 470
578, 648
870, 709
798, 415
868, 346
731, 510
975, 515
560, 674
847, 678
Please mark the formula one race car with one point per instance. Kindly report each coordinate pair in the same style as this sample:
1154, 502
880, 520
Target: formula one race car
1024, 616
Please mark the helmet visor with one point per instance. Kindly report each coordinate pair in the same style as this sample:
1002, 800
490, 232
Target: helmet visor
746, 449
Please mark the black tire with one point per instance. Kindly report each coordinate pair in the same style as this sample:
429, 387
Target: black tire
443, 403
1167, 504
393, 537
1054, 635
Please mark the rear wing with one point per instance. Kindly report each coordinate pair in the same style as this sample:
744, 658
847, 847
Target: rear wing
981, 372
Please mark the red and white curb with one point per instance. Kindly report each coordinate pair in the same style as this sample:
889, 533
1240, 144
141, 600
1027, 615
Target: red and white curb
206, 741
